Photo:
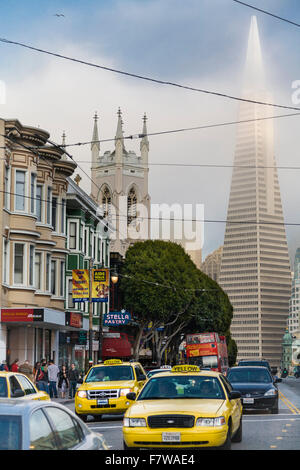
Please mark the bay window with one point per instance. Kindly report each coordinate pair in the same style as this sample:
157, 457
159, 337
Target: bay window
20, 190
19, 263
38, 271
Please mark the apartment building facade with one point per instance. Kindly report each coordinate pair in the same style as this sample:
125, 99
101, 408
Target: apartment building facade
33, 185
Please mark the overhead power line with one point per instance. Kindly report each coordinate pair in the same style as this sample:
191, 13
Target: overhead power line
184, 129
149, 79
267, 13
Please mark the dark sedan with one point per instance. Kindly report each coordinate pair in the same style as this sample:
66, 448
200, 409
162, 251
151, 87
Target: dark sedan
257, 387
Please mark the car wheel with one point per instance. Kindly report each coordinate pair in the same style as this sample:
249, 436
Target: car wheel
238, 435
227, 443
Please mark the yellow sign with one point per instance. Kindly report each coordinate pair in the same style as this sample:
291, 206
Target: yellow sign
185, 368
113, 361
100, 285
80, 285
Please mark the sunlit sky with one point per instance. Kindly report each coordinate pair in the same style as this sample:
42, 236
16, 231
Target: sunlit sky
200, 43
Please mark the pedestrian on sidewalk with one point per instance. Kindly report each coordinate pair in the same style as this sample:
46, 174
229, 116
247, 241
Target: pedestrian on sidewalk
73, 377
41, 378
3, 366
53, 372
15, 366
63, 382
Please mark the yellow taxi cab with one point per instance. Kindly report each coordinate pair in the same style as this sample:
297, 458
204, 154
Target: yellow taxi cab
183, 408
16, 385
105, 387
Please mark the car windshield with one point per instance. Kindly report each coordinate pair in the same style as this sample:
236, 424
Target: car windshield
249, 376
3, 387
110, 374
182, 387
10, 432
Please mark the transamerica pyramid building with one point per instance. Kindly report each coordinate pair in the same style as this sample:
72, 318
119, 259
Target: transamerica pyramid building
255, 268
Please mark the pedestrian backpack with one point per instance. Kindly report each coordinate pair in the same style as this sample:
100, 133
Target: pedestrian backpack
41, 375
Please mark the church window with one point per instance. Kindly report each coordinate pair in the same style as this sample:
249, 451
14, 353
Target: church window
131, 206
106, 201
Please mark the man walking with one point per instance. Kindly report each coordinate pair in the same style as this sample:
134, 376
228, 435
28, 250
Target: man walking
53, 372
73, 377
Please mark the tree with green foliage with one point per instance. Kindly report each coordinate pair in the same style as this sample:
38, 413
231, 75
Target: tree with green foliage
168, 295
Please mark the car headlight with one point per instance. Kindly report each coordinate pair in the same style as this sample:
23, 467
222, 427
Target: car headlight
220, 421
124, 391
271, 393
81, 394
134, 422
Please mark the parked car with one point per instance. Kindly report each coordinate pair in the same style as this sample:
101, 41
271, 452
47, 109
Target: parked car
44, 425
15, 385
257, 387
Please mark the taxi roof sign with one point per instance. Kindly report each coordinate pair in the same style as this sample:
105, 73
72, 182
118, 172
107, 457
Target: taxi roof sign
185, 368
113, 361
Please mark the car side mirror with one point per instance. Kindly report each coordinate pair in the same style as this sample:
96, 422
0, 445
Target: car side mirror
234, 395
131, 396
18, 393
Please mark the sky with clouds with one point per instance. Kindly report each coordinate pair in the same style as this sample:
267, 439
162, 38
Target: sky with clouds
200, 43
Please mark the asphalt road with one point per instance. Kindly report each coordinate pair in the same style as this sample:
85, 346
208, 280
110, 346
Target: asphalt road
261, 431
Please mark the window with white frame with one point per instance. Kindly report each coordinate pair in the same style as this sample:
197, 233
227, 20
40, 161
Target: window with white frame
48, 268
39, 203
38, 271
72, 235
19, 263
31, 264
63, 217
54, 214
71, 304
20, 190
49, 205
53, 277
6, 264
33, 193
62, 279
7, 187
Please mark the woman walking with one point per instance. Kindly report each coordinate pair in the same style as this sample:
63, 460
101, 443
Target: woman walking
63, 382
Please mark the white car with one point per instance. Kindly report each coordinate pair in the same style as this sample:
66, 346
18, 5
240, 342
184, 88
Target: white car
44, 425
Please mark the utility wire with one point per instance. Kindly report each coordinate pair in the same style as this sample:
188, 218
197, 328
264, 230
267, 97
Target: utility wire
149, 79
267, 13
173, 131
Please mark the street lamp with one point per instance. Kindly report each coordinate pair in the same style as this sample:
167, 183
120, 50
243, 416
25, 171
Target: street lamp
114, 279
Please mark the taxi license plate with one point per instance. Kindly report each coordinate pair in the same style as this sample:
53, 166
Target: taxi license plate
248, 400
103, 401
171, 437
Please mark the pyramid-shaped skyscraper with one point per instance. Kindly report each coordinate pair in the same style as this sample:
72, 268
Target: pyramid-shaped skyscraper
255, 268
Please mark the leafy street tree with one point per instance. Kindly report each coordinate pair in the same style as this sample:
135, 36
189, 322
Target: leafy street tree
167, 293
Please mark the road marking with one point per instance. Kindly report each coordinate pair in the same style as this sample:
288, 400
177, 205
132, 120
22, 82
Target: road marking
288, 403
